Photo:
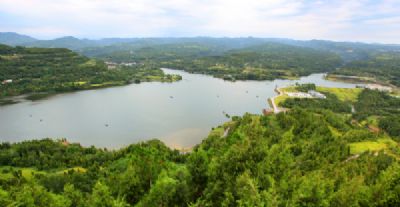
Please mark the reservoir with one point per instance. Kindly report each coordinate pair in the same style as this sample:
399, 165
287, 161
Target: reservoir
180, 114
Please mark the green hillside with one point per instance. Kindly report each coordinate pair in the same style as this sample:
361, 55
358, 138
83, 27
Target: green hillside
301, 158
264, 62
381, 67
50, 70
259, 61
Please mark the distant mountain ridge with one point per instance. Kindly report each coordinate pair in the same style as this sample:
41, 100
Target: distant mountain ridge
70, 42
62, 42
347, 50
12, 38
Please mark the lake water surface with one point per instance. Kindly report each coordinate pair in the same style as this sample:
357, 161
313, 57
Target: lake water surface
181, 114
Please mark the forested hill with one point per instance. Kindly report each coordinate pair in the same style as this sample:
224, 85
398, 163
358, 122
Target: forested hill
301, 158
384, 67
49, 70
262, 62
348, 51
235, 58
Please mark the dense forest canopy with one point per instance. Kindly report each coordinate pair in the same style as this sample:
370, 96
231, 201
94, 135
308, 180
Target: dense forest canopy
142, 52
36, 70
301, 158
342, 150
236, 58
385, 67
264, 62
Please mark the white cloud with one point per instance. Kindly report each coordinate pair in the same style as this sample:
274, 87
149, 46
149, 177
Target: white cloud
301, 19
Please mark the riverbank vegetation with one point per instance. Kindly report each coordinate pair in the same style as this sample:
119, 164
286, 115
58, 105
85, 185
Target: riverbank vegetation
298, 158
331, 102
380, 67
379, 109
337, 100
43, 71
238, 58
370, 108
263, 62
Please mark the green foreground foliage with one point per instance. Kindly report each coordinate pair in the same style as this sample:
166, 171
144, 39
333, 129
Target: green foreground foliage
301, 158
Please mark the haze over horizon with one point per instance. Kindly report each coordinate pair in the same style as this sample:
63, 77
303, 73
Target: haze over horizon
358, 20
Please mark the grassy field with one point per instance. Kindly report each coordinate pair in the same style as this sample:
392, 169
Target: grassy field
289, 89
385, 144
76, 169
280, 99
27, 173
6, 172
371, 120
343, 94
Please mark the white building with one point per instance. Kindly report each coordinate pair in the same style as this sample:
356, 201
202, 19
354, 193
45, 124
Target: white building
7, 81
316, 94
111, 65
298, 94
310, 94
128, 64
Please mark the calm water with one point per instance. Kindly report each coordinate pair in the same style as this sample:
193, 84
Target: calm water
181, 114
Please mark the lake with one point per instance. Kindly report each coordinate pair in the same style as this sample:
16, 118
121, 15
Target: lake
180, 114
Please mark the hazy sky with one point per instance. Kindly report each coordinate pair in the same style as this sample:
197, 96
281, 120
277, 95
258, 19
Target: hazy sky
355, 20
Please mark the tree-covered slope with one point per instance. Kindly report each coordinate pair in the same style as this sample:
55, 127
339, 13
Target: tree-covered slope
301, 158
148, 52
383, 67
263, 62
260, 62
370, 108
36, 70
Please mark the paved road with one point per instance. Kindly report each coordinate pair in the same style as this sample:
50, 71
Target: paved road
274, 106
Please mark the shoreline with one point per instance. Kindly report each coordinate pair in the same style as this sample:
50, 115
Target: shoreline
360, 80
271, 101
9, 100
350, 79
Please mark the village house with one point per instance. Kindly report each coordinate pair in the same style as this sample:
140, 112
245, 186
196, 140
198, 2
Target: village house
128, 64
6, 81
316, 94
111, 65
310, 94
298, 94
